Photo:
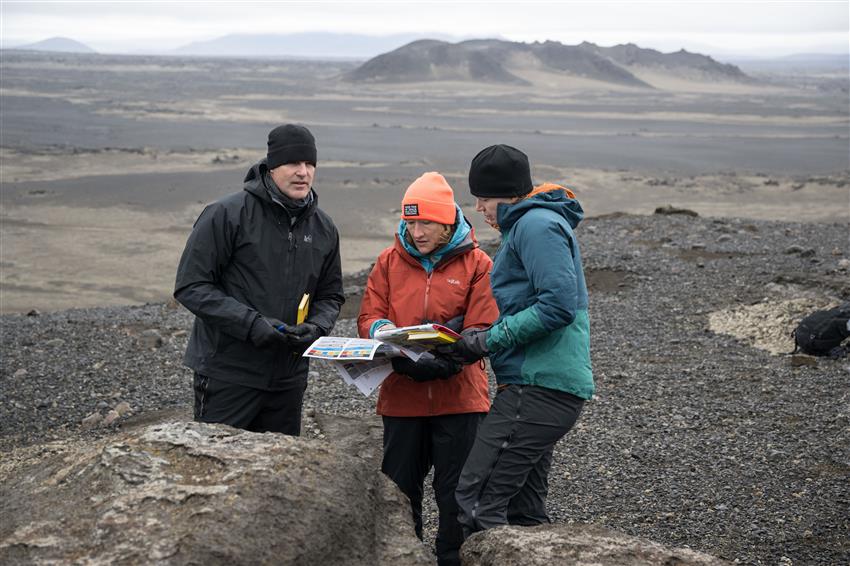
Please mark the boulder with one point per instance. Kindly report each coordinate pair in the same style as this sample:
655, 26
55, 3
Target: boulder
669, 209
573, 544
192, 493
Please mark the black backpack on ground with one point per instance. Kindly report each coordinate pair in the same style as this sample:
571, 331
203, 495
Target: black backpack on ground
823, 331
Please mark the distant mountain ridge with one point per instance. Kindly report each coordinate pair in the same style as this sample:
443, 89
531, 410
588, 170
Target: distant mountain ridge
58, 44
309, 45
630, 55
498, 61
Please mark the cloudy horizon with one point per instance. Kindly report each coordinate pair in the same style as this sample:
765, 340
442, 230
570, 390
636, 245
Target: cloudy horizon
755, 28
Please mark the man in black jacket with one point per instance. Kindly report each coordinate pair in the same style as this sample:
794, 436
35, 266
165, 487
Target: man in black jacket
250, 259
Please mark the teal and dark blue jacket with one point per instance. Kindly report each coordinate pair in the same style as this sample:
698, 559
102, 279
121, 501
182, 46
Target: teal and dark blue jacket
542, 335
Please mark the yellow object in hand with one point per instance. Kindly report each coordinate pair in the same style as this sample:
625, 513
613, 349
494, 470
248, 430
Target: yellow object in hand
303, 307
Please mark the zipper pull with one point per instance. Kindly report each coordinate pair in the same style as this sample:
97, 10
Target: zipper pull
291, 240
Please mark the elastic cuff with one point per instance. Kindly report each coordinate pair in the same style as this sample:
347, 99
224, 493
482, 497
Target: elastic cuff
376, 325
492, 341
257, 316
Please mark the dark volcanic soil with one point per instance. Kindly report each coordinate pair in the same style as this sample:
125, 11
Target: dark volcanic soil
695, 438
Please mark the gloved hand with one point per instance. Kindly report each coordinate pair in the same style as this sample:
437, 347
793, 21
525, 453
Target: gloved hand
301, 335
455, 323
438, 367
264, 333
471, 347
385, 326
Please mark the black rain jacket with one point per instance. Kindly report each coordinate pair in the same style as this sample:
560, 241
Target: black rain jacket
245, 258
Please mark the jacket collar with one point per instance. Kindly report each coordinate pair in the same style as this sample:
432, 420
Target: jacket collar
253, 183
553, 197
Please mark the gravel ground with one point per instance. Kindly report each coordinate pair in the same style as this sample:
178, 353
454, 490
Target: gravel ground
696, 438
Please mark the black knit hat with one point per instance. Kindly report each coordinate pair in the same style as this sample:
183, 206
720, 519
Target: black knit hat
500, 171
291, 143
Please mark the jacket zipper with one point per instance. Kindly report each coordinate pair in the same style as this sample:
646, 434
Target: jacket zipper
292, 252
427, 292
424, 316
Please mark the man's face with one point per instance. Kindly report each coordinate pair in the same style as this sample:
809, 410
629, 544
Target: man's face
488, 207
294, 179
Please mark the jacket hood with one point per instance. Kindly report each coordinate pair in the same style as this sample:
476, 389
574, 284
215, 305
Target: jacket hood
462, 239
253, 181
554, 197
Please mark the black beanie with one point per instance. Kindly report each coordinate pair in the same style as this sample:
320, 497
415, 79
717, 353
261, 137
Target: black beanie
290, 144
500, 171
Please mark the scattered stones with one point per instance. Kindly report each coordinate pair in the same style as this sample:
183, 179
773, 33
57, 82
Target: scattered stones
123, 409
226, 159
54, 343
795, 249
110, 418
150, 339
33, 312
724, 238
800, 360
20, 372
91, 421
670, 209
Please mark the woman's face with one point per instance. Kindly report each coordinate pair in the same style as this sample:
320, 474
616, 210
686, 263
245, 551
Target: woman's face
488, 207
426, 234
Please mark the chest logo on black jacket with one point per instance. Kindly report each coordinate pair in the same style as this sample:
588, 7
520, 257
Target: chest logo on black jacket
308, 238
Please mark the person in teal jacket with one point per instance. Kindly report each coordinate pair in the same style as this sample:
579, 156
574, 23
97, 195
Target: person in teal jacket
539, 347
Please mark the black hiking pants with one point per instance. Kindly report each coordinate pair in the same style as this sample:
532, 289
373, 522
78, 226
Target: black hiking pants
411, 446
218, 401
506, 476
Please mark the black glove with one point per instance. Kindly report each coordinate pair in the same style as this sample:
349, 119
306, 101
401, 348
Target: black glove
264, 333
301, 335
455, 323
438, 367
471, 347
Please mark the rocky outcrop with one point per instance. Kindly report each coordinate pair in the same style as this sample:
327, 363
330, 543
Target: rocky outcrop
487, 60
179, 492
577, 545
497, 61
184, 492
682, 62
431, 60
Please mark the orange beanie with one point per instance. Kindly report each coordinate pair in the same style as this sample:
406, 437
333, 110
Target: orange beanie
429, 198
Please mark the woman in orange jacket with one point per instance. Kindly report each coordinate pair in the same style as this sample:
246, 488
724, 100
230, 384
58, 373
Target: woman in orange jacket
435, 272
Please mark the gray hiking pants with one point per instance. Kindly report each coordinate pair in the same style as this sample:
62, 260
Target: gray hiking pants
505, 478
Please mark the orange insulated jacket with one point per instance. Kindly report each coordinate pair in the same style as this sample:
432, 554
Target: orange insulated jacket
401, 290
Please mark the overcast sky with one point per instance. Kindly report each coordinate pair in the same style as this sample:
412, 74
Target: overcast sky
718, 27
